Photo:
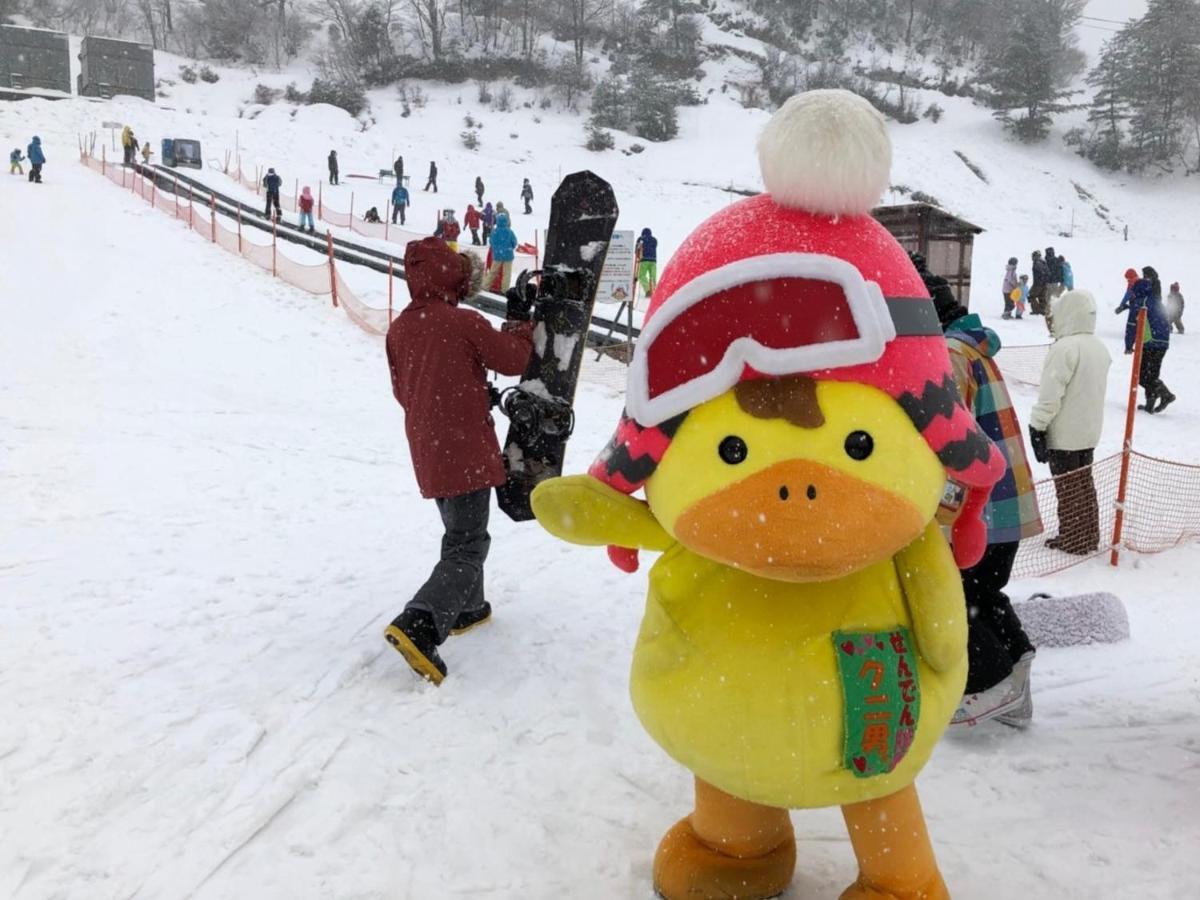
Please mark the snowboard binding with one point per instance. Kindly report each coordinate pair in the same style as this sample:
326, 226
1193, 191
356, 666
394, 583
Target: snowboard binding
535, 415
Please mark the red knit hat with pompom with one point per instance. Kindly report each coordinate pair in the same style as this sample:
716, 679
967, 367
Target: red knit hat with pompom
801, 280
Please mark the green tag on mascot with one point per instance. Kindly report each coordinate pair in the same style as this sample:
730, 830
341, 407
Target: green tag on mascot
792, 419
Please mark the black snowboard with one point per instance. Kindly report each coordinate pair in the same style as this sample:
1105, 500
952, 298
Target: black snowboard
583, 214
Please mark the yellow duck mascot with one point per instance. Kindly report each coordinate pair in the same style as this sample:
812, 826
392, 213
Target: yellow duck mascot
792, 417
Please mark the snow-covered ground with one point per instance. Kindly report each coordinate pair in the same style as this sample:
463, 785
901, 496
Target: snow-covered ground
207, 516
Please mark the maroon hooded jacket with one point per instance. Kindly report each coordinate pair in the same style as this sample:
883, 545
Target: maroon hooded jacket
439, 355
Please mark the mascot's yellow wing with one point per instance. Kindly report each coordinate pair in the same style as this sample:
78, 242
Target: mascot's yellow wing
933, 589
581, 510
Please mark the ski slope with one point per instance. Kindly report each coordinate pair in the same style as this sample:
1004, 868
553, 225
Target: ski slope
208, 518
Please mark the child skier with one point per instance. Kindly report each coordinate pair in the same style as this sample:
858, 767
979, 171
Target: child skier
1022, 296
146, 153
14, 162
306, 210
399, 202
1009, 286
1175, 308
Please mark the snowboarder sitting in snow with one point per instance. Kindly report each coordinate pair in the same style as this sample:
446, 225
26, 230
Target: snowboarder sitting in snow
399, 202
1175, 308
647, 254
272, 183
372, 215
439, 355
1067, 419
14, 162
306, 210
37, 159
999, 653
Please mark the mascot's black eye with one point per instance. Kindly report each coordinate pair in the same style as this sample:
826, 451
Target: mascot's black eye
859, 445
733, 450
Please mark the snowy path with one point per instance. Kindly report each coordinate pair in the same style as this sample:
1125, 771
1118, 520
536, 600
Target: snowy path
208, 517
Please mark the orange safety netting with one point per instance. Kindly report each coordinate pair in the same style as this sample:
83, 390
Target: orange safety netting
1023, 362
200, 216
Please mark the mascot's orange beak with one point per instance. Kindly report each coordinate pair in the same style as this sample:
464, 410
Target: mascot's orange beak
800, 521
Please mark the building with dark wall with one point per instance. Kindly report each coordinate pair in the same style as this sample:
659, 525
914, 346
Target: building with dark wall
109, 67
34, 59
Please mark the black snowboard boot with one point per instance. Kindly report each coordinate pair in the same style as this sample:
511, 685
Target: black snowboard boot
413, 634
469, 618
1165, 399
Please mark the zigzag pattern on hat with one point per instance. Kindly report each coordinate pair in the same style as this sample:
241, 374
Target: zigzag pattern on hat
933, 414
633, 453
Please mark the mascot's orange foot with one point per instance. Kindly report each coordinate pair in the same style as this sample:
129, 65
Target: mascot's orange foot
860, 890
685, 868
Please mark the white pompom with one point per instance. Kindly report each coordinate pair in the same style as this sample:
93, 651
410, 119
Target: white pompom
827, 152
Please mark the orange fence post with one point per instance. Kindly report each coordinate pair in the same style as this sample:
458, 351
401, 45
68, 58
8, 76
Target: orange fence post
274, 246
352, 210
1127, 447
103, 160
387, 217
177, 196
239, 231
191, 208
212, 211
390, 282
332, 271
153, 190
296, 194
258, 181
320, 208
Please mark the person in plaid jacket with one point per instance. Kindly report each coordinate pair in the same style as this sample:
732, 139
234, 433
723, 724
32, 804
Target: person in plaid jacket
1000, 654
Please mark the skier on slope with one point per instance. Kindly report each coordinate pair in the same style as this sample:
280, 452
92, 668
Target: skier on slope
1175, 308
999, 653
306, 210
479, 189
431, 182
1147, 294
527, 196
398, 168
488, 218
37, 159
333, 167
1066, 421
647, 254
504, 247
439, 355
272, 183
399, 202
472, 219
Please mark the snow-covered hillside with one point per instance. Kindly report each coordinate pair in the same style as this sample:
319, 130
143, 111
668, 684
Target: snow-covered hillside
207, 516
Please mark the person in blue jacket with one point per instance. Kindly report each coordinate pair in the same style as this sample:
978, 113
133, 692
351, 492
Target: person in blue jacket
37, 159
399, 202
1068, 276
273, 183
1147, 293
504, 247
647, 253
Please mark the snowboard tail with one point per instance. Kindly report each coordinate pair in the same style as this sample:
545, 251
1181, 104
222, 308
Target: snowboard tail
540, 409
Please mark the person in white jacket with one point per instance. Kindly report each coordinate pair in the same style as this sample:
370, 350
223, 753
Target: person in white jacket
1067, 419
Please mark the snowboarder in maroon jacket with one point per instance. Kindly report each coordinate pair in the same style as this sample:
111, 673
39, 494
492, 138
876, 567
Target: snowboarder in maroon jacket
439, 355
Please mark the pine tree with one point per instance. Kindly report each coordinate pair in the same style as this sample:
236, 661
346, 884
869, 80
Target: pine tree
610, 106
1110, 106
1162, 79
1029, 72
652, 108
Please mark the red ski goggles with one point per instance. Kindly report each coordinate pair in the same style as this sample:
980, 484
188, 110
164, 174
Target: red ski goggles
777, 314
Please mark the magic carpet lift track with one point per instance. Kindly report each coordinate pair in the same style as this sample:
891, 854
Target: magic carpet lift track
170, 181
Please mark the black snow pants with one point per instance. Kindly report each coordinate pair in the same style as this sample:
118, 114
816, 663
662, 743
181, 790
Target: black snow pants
1078, 508
1150, 373
35, 173
273, 199
995, 638
456, 584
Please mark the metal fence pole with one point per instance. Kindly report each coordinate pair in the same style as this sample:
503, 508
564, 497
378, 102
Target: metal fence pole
332, 271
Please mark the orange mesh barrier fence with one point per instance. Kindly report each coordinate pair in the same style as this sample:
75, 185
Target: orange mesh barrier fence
1162, 505
369, 319
1023, 362
198, 214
